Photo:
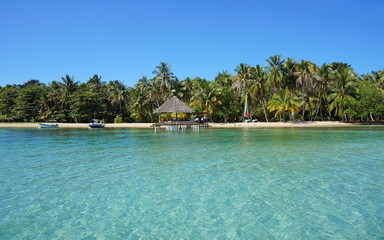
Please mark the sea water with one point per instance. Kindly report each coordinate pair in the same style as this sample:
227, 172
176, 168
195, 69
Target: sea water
211, 184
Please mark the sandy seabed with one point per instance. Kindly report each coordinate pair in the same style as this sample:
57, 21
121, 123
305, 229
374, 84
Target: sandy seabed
211, 125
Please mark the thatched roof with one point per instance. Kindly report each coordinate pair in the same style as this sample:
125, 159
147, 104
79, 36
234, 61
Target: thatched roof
173, 105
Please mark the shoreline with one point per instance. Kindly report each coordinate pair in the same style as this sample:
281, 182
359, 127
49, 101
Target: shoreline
211, 125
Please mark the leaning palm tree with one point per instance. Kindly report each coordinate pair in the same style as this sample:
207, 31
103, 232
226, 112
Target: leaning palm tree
305, 76
282, 101
117, 92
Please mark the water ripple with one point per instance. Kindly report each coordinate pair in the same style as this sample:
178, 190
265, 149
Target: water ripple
215, 184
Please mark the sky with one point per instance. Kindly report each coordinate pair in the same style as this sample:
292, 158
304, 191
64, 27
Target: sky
125, 40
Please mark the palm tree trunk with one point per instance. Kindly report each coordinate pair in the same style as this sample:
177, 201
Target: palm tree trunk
265, 111
150, 116
303, 105
318, 109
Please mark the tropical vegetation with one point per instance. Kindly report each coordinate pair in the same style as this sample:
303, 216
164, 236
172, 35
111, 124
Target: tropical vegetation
281, 90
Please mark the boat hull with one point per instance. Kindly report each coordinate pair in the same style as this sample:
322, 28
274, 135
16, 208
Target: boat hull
96, 125
43, 125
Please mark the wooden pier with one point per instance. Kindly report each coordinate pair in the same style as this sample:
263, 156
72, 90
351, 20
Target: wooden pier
181, 124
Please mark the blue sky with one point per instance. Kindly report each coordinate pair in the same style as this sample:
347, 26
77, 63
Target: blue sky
125, 40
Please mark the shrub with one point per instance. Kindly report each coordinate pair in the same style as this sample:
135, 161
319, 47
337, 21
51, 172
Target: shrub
118, 119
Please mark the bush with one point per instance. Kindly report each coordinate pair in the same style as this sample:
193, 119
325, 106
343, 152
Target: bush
118, 119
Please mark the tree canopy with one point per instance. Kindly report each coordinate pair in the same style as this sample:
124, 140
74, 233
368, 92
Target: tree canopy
279, 90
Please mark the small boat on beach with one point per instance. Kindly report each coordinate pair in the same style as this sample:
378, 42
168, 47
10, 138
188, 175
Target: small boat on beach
49, 124
96, 123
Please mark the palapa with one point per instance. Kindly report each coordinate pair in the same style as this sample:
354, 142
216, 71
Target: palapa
173, 105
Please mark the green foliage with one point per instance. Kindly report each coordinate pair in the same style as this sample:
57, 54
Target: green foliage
8, 96
284, 101
277, 90
26, 103
118, 119
228, 110
369, 103
205, 96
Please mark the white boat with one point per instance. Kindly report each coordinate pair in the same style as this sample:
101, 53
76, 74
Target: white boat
96, 123
49, 124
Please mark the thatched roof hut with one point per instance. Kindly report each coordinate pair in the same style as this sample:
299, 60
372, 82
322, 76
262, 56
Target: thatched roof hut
173, 105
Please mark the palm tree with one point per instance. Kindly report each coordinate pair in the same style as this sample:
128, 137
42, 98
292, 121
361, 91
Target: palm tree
258, 89
282, 101
68, 87
377, 78
322, 88
140, 106
224, 79
164, 79
117, 92
183, 90
288, 69
275, 70
342, 90
242, 81
144, 99
306, 74
205, 96
66, 93
95, 84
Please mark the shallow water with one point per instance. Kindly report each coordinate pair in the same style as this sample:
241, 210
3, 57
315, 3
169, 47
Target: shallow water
212, 184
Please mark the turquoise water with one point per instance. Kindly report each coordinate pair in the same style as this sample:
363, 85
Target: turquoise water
214, 184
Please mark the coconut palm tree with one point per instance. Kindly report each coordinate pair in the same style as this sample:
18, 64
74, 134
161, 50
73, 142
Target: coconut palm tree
224, 79
377, 78
205, 96
241, 83
259, 88
288, 69
164, 79
68, 87
305, 76
95, 84
117, 92
65, 94
275, 70
140, 106
282, 101
342, 90
321, 88
183, 90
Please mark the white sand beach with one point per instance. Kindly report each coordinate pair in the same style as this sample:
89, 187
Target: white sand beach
211, 125
280, 124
